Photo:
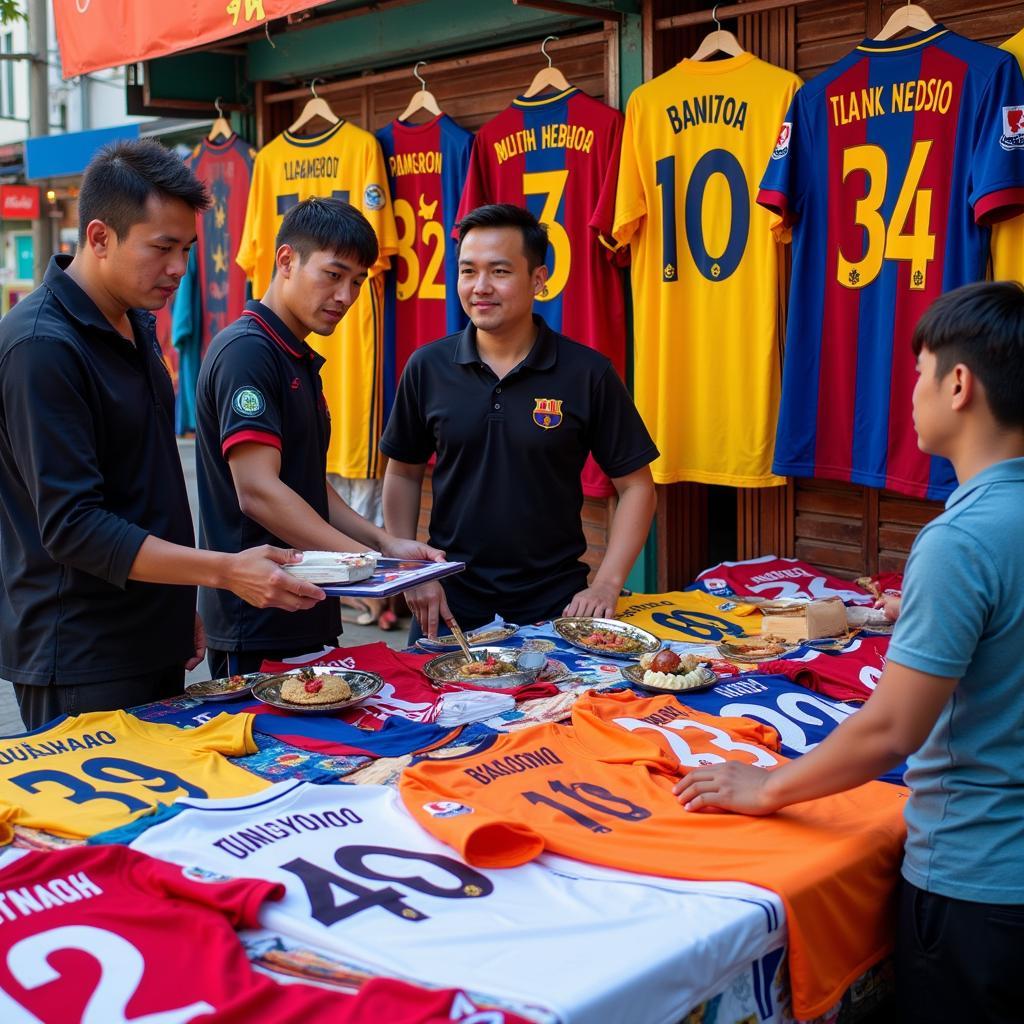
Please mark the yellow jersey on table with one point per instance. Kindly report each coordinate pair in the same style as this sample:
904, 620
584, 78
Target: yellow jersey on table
689, 616
705, 266
89, 773
1008, 235
343, 162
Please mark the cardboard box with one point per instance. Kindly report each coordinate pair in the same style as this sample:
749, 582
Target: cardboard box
808, 622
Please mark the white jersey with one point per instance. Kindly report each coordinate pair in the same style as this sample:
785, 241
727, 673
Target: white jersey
365, 881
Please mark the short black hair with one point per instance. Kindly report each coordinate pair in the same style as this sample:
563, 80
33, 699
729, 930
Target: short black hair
982, 326
123, 175
328, 225
505, 215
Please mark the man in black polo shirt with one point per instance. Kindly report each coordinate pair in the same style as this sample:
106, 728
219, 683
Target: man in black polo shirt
262, 429
94, 516
511, 409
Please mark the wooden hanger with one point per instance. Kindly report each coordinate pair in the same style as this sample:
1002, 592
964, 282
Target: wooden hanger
912, 16
422, 100
719, 41
221, 126
316, 107
549, 77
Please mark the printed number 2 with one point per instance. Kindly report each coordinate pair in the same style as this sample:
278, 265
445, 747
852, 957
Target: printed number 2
714, 268
432, 231
890, 242
121, 971
551, 185
290, 199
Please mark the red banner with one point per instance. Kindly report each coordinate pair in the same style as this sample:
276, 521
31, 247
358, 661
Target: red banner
95, 34
19, 202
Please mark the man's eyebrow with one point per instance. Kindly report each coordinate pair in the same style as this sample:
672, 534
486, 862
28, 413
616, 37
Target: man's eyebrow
173, 239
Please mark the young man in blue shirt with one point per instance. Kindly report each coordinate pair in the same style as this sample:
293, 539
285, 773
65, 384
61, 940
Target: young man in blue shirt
952, 694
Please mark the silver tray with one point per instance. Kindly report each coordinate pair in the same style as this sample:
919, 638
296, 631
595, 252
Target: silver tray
572, 629
494, 635
735, 652
226, 688
363, 684
446, 669
635, 675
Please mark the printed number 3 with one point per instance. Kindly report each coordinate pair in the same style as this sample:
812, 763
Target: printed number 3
551, 185
121, 971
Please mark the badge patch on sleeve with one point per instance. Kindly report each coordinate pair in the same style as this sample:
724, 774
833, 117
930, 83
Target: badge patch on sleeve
446, 809
374, 198
1013, 129
547, 413
247, 401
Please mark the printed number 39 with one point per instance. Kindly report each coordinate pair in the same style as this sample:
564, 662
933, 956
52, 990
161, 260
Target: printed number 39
551, 185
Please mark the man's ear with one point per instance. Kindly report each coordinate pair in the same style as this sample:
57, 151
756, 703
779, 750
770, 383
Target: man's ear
99, 237
540, 279
962, 383
286, 259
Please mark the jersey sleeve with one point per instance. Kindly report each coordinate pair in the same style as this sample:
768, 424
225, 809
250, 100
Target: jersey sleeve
230, 735
406, 436
603, 218
997, 165
253, 241
237, 899
477, 191
630, 198
245, 389
781, 189
944, 560
7, 815
619, 441
377, 206
481, 838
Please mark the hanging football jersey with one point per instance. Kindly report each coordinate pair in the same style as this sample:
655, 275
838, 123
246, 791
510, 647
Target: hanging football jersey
689, 616
888, 170
89, 931
600, 791
344, 162
558, 156
364, 880
427, 165
705, 268
775, 579
84, 774
1008, 235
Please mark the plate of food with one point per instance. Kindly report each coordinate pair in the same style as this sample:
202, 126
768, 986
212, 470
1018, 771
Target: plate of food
492, 666
486, 636
667, 672
224, 689
606, 637
334, 566
752, 649
317, 690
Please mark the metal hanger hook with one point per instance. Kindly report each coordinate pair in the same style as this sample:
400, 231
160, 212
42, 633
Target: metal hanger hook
544, 48
416, 74
714, 18
312, 86
216, 103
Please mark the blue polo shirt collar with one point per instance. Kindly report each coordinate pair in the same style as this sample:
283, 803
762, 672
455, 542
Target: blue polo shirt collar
542, 356
275, 329
1007, 471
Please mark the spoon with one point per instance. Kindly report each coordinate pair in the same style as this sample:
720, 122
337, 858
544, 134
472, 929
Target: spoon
461, 637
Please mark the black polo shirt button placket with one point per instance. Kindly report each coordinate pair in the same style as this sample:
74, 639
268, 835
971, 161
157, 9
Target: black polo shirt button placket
260, 383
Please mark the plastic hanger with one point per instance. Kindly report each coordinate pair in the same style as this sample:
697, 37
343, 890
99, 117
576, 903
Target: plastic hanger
221, 126
719, 41
316, 107
549, 77
422, 100
912, 16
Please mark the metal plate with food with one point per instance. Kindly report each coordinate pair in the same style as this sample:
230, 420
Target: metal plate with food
699, 678
493, 666
752, 649
317, 691
606, 637
484, 637
227, 688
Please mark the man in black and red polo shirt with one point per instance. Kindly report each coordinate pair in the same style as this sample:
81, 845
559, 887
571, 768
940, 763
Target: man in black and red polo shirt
262, 429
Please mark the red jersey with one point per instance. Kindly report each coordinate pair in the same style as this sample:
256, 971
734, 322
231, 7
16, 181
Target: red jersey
558, 155
852, 674
776, 579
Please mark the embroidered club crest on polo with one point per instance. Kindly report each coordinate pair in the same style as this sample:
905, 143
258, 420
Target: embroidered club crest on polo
247, 401
547, 413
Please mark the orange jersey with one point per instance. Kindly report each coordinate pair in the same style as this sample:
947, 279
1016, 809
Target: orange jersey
600, 790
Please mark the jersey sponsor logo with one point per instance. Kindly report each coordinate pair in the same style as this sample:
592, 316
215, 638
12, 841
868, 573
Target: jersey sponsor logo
374, 198
782, 142
718, 587
547, 413
446, 809
202, 875
248, 402
1013, 129
718, 109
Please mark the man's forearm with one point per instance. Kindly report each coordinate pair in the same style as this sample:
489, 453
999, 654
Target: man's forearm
160, 561
284, 514
352, 524
628, 535
402, 504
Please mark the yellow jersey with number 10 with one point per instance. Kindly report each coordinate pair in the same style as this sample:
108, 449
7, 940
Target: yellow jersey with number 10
705, 267
344, 162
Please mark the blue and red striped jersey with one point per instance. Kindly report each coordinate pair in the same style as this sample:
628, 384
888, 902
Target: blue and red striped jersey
889, 169
558, 155
427, 166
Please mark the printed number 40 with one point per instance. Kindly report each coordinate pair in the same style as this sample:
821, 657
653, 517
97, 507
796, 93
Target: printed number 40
889, 241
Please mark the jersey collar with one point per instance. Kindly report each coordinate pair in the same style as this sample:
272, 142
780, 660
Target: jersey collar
543, 101
902, 43
1007, 471
274, 328
541, 357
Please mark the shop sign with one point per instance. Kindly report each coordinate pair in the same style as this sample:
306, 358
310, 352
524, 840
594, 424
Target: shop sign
19, 202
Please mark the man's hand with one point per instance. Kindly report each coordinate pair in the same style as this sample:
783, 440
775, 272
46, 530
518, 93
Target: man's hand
256, 576
726, 787
890, 603
598, 600
395, 547
199, 639
428, 603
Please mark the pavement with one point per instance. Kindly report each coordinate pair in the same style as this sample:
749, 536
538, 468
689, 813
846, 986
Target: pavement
10, 717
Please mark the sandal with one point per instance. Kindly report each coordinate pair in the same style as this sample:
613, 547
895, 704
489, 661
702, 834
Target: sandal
366, 615
387, 620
